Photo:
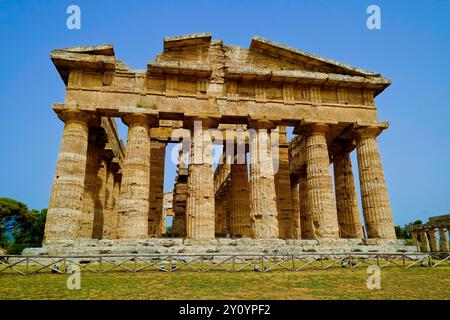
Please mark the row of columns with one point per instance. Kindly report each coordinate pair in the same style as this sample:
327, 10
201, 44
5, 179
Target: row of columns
317, 215
426, 239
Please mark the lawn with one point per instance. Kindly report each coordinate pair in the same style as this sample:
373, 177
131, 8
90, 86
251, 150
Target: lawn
337, 283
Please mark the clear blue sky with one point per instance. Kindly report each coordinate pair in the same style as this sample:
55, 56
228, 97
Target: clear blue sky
412, 49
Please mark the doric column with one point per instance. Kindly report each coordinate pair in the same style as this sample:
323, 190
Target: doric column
296, 229
66, 199
374, 195
200, 215
263, 208
306, 222
109, 217
135, 189
240, 201
424, 243
346, 199
91, 184
415, 239
100, 208
282, 188
179, 197
444, 239
434, 242
321, 203
158, 154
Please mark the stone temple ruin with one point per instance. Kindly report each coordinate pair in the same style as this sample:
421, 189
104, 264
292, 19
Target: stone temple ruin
108, 197
425, 238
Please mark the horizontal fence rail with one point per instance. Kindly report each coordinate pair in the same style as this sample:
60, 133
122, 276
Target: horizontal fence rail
61, 264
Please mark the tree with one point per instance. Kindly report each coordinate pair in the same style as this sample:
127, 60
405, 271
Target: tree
20, 227
403, 232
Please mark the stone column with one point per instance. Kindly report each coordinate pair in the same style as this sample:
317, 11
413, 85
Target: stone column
158, 154
283, 190
240, 201
100, 208
415, 239
319, 183
296, 230
91, 184
109, 219
346, 199
115, 211
434, 242
424, 243
200, 215
66, 199
306, 221
263, 208
179, 197
135, 189
444, 240
374, 195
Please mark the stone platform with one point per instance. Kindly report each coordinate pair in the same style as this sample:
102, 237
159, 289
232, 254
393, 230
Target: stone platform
220, 245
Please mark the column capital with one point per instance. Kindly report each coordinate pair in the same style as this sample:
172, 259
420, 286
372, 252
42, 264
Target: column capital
140, 118
367, 131
206, 122
341, 147
310, 129
261, 124
76, 115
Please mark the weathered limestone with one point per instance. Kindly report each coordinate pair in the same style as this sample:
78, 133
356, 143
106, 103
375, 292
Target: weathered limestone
91, 186
157, 157
346, 198
263, 209
374, 195
100, 208
434, 242
65, 209
180, 192
282, 187
415, 239
200, 215
319, 184
241, 224
444, 240
296, 228
109, 217
424, 243
103, 193
306, 221
135, 189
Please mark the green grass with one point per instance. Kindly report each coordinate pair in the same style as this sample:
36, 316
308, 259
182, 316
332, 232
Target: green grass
337, 283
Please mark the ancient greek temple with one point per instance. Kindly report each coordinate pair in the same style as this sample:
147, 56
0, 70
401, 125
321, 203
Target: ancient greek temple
432, 236
197, 89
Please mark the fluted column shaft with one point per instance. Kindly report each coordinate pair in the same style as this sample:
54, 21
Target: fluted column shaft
444, 240
240, 201
306, 221
263, 208
346, 199
200, 215
135, 189
374, 195
296, 229
109, 219
158, 154
100, 208
66, 199
321, 202
434, 242
424, 243
415, 239
91, 187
